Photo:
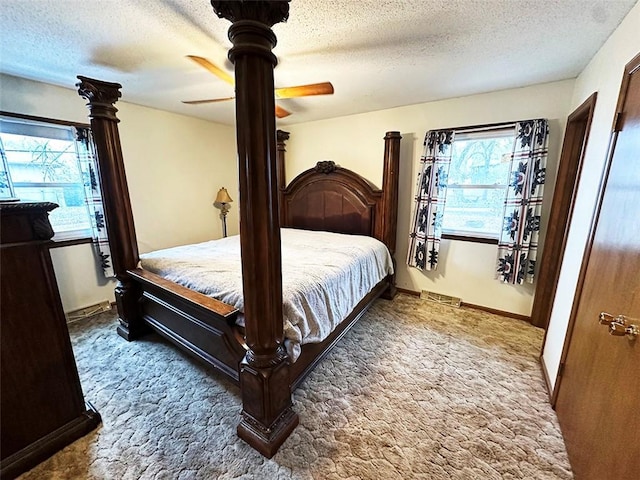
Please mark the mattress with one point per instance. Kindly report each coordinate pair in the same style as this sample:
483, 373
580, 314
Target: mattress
324, 276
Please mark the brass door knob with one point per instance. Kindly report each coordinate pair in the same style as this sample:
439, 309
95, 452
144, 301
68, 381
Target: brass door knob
620, 330
606, 318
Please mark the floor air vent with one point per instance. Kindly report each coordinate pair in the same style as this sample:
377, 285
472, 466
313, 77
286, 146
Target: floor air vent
88, 311
439, 298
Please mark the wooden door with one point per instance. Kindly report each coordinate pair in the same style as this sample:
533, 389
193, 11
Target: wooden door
598, 401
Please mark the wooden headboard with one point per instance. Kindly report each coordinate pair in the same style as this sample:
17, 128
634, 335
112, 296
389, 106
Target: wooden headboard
335, 199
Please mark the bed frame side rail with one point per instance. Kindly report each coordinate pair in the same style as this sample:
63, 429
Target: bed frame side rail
313, 353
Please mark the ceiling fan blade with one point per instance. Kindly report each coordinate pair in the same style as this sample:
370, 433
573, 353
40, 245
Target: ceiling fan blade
301, 91
217, 71
211, 100
281, 112
324, 88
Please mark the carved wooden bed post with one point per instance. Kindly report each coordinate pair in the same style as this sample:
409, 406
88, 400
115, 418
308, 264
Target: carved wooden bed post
119, 218
267, 415
390, 200
281, 137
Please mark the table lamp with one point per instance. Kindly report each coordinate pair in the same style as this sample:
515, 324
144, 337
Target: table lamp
222, 201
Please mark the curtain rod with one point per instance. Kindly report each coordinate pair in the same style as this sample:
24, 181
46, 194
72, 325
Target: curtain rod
483, 128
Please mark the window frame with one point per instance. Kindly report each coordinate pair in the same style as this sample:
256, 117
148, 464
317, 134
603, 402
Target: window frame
489, 132
70, 237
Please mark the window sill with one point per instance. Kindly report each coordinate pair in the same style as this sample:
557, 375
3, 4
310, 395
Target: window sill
67, 242
470, 238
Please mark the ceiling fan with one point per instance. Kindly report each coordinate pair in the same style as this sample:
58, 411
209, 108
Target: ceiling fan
324, 88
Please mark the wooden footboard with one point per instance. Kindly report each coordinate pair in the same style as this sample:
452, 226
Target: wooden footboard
200, 325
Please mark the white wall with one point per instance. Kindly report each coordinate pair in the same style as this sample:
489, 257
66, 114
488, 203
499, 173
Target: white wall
465, 270
198, 157
603, 74
174, 165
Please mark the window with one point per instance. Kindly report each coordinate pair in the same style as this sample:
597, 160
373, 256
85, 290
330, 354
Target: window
40, 163
477, 183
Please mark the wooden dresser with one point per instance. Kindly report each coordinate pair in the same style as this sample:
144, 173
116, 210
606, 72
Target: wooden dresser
42, 406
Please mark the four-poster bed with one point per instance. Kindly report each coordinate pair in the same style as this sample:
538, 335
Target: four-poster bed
326, 197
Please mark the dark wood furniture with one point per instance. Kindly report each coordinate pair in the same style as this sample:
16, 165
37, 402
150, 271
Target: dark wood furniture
326, 197
43, 408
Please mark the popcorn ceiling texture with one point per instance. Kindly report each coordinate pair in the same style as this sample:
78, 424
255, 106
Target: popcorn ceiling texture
378, 54
414, 391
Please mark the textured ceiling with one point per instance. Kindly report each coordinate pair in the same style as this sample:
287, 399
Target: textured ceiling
378, 54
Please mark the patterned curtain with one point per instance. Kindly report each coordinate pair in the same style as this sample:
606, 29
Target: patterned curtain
5, 185
518, 244
89, 167
431, 191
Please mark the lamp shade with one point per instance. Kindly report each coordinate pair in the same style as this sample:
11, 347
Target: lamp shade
223, 196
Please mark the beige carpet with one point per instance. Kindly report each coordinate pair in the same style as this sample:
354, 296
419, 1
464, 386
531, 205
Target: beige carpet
415, 390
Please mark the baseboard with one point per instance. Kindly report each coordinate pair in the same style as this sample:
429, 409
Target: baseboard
495, 311
408, 292
550, 389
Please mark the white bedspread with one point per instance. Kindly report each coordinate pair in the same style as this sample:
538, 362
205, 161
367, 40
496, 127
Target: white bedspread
324, 276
